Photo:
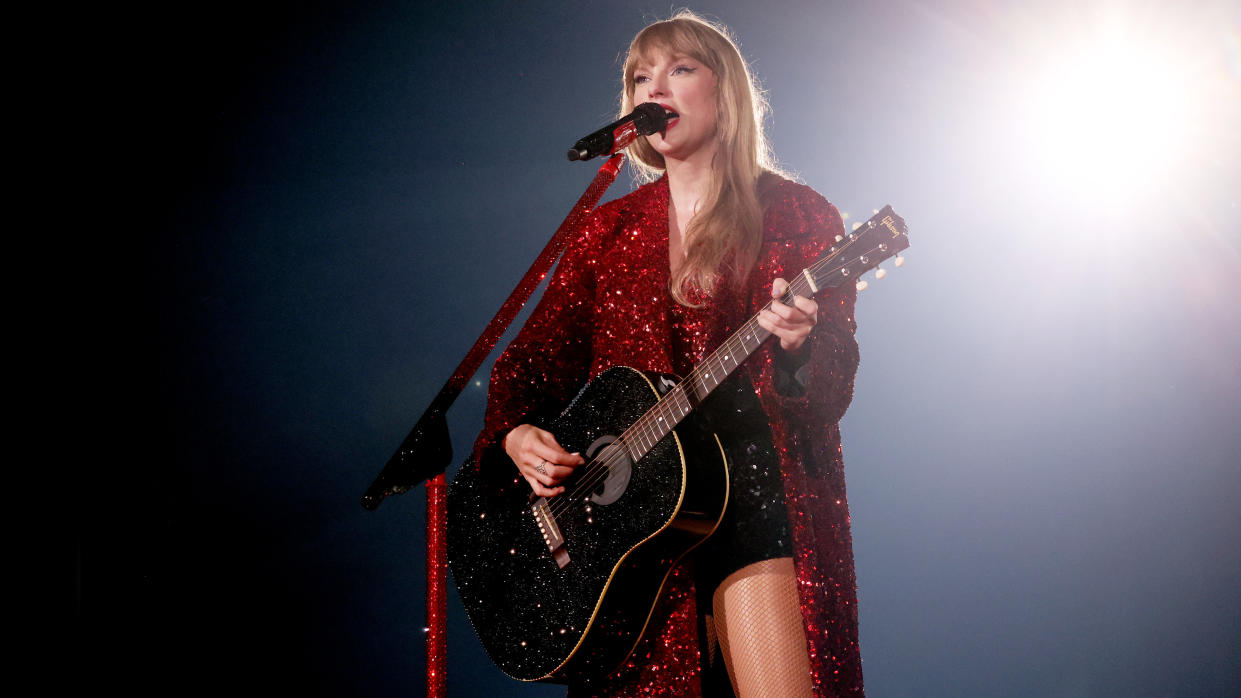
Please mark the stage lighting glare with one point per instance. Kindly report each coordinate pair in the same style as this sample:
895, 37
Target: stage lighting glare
1112, 118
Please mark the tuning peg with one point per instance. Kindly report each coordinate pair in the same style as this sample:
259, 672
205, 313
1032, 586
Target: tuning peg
900, 261
861, 285
856, 225
880, 273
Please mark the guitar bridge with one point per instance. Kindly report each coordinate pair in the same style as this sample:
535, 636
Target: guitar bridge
551, 532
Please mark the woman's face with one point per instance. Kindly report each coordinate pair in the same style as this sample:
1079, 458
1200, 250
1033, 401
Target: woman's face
687, 87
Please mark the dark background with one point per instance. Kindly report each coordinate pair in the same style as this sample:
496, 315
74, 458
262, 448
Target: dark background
1042, 451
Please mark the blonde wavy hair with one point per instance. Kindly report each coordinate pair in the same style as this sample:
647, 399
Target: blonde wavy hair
723, 238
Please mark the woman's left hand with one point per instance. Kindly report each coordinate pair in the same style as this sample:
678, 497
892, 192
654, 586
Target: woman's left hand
792, 324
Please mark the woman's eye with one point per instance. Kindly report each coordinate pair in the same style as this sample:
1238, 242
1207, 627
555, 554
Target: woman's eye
682, 69
639, 79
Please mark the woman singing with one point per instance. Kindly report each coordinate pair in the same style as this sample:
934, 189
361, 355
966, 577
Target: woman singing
656, 281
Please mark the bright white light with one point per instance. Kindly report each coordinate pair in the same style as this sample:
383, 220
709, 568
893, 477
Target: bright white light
1111, 116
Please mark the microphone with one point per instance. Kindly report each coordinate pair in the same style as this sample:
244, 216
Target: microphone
645, 119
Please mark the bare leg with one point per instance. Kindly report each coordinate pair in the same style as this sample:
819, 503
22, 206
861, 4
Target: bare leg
759, 627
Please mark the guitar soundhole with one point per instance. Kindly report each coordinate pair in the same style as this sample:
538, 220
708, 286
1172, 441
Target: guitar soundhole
619, 468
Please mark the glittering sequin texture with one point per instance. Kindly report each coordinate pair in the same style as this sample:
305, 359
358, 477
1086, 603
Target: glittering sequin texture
608, 305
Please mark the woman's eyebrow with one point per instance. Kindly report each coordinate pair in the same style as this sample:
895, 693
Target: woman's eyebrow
647, 65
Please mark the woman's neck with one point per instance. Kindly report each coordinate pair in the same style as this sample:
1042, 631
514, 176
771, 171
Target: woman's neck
688, 181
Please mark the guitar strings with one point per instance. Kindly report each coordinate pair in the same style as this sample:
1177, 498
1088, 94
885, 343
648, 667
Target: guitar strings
598, 469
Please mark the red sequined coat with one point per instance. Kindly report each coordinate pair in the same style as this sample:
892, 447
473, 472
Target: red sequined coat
607, 305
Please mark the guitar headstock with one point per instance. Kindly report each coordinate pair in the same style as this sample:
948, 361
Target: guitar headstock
869, 244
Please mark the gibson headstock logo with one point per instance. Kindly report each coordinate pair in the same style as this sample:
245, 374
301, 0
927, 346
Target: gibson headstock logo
890, 224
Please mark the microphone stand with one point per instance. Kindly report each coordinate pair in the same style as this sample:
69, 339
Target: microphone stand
427, 450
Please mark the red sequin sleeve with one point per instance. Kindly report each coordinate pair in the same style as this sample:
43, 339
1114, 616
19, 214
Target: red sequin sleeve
550, 357
801, 225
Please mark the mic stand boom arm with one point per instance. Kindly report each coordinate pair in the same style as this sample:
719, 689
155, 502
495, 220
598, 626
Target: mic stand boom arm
427, 450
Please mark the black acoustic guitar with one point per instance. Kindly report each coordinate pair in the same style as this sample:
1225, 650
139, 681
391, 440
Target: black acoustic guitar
561, 589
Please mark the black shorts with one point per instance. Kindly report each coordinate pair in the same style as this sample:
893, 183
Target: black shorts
755, 525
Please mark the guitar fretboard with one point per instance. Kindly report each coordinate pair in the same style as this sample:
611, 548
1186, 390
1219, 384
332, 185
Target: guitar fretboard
680, 400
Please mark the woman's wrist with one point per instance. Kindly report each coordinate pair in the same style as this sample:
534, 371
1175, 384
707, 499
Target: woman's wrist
792, 370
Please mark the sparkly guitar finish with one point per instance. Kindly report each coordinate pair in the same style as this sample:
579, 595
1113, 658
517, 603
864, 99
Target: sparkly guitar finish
561, 590
531, 613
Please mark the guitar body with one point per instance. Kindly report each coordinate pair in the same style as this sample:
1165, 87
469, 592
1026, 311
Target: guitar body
578, 613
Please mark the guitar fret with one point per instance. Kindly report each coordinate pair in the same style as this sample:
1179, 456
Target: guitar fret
633, 455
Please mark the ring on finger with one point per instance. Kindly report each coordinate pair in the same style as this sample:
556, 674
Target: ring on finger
540, 467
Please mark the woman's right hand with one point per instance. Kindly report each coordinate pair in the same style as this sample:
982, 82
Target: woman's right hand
540, 459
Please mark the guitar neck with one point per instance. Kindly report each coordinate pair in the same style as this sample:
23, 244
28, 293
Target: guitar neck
883, 236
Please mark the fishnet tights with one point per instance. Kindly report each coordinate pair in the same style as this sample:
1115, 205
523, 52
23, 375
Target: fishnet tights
757, 622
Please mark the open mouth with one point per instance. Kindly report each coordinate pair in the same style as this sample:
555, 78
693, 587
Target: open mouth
673, 116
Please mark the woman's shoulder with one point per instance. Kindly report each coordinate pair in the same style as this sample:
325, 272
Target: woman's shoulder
792, 209
634, 208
